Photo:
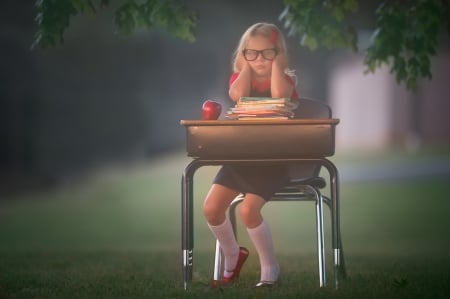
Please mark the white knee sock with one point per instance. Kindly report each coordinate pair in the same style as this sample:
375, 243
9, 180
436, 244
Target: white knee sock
262, 239
230, 248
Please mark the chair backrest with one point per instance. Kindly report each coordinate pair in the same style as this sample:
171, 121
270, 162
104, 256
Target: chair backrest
308, 108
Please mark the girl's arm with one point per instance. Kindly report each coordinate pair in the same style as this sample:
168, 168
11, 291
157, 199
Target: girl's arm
242, 85
280, 85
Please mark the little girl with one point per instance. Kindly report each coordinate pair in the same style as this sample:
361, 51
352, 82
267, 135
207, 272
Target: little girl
260, 69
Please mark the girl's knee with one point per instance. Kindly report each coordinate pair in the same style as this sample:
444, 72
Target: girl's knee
209, 209
214, 212
250, 210
250, 215
245, 211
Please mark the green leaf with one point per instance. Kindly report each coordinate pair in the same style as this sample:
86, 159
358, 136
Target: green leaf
406, 38
152, 14
320, 23
309, 42
53, 18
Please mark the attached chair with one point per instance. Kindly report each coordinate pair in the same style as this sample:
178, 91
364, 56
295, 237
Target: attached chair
305, 185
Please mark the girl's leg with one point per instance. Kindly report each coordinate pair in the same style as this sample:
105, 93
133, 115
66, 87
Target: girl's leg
261, 236
214, 208
217, 202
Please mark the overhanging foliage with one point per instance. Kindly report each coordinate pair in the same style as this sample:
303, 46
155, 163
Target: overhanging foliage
405, 35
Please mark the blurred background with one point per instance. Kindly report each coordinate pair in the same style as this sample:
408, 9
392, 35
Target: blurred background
102, 99
91, 155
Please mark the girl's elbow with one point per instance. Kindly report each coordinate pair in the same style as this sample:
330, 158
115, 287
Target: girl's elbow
233, 96
279, 94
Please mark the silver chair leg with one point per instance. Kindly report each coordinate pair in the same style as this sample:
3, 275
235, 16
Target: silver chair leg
232, 212
320, 240
218, 254
319, 199
217, 262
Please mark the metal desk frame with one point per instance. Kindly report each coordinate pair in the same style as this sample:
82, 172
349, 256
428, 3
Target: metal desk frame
187, 212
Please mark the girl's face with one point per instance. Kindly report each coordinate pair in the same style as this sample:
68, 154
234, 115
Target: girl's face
260, 53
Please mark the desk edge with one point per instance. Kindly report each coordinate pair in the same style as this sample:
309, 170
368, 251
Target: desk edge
305, 121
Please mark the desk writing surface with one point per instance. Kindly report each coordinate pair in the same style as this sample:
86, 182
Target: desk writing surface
240, 139
305, 121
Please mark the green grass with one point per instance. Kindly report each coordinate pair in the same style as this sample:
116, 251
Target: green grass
117, 235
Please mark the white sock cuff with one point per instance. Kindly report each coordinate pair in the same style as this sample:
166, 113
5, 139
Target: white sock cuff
223, 225
262, 227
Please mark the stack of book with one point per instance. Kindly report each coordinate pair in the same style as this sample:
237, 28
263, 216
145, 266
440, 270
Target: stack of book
262, 108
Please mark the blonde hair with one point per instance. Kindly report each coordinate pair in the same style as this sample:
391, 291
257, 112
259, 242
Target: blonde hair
266, 30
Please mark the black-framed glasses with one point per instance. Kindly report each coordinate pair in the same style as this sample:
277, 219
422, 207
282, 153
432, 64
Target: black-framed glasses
251, 55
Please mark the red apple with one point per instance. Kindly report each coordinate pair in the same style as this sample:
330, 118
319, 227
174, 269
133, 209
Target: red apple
211, 110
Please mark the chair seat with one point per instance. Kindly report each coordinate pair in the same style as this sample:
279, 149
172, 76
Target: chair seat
303, 189
317, 182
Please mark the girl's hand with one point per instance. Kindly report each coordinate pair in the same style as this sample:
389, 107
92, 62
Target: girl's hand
241, 63
280, 86
241, 85
280, 61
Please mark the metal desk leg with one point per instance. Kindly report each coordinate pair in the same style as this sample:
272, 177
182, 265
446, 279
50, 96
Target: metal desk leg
186, 228
187, 221
339, 268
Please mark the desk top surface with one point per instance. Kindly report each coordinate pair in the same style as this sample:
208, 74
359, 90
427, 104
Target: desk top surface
304, 121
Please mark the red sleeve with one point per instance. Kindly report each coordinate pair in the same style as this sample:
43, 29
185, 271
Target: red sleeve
233, 78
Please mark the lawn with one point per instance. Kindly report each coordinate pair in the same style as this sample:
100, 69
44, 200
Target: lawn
116, 234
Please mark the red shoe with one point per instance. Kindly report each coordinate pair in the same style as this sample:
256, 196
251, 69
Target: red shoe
243, 255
